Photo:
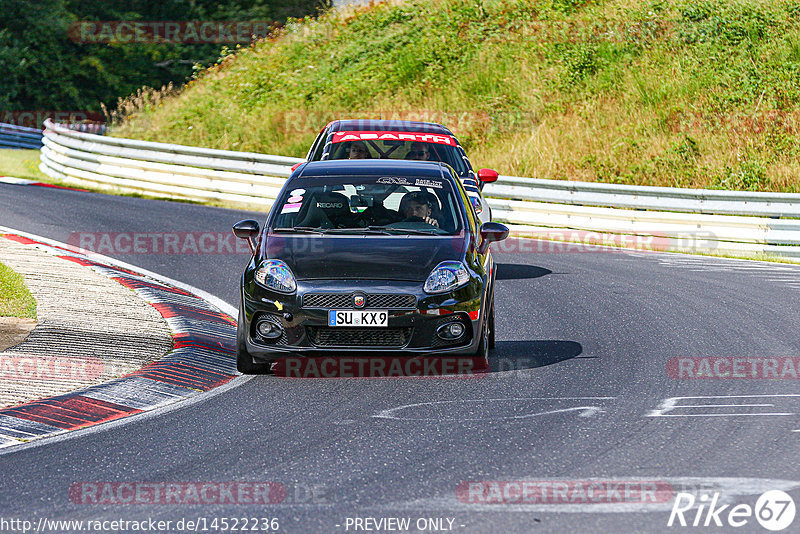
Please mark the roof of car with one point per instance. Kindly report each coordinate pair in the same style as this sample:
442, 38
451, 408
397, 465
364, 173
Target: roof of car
376, 125
378, 167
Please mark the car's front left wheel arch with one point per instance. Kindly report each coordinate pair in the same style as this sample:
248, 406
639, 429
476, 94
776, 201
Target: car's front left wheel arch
244, 360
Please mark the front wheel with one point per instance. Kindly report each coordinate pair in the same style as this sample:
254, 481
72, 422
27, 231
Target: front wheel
244, 360
490, 320
487, 335
483, 343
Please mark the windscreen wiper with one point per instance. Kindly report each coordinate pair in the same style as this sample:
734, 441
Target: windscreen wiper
367, 230
396, 230
301, 230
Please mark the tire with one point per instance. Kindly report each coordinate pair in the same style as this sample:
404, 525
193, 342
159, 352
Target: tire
491, 326
483, 344
244, 360
487, 337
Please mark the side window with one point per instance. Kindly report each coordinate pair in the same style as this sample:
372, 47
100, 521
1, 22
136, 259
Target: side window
325, 146
315, 154
313, 147
472, 217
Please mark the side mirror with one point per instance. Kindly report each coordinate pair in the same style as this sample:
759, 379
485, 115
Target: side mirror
491, 232
247, 229
487, 175
294, 167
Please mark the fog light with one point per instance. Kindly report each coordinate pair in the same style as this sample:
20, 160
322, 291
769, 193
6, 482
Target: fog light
452, 330
455, 329
268, 329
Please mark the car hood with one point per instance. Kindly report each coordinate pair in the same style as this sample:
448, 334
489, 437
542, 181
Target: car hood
410, 258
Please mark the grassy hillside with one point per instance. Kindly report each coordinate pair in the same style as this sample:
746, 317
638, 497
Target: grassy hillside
678, 93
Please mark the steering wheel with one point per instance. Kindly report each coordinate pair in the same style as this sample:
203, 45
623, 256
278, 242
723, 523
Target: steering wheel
414, 218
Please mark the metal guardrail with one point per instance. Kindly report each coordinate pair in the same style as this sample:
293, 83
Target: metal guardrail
700, 220
12, 136
711, 201
163, 169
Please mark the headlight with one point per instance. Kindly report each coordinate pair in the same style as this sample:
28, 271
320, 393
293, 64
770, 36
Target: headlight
447, 276
275, 275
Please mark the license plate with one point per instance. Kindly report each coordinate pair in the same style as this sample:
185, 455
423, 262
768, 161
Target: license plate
358, 318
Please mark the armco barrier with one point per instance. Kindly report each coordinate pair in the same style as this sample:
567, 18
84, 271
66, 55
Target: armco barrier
710, 201
162, 169
726, 221
12, 136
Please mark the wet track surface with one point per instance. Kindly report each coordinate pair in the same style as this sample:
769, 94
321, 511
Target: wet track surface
579, 390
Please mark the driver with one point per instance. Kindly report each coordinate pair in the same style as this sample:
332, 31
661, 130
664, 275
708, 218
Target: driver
419, 151
417, 205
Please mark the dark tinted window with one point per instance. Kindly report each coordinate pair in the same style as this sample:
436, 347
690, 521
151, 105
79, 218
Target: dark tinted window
374, 204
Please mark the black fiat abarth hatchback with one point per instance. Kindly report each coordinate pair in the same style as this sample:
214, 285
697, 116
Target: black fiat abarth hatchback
378, 256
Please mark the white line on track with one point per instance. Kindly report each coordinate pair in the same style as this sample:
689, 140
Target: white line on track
719, 405
765, 414
673, 403
678, 258
583, 410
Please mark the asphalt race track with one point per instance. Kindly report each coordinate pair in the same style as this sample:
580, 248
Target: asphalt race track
578, 391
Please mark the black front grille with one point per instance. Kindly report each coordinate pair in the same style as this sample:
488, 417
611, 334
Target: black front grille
327, 300
382, 300
345, 300
323, 336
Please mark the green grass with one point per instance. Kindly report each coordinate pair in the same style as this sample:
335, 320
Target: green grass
15, 299
662, 92
21, 164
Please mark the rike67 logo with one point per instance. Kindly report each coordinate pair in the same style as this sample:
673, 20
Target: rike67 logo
774, 510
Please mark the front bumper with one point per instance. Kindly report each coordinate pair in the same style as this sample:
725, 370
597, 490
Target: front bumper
414, 317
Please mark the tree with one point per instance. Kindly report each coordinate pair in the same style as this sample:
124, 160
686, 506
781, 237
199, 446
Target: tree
44, 69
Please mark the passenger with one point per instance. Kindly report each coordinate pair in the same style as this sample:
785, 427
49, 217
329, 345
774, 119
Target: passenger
415, 205
358, 150
419, 151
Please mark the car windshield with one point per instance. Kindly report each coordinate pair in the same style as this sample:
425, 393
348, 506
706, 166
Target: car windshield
397, 145
381, 205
